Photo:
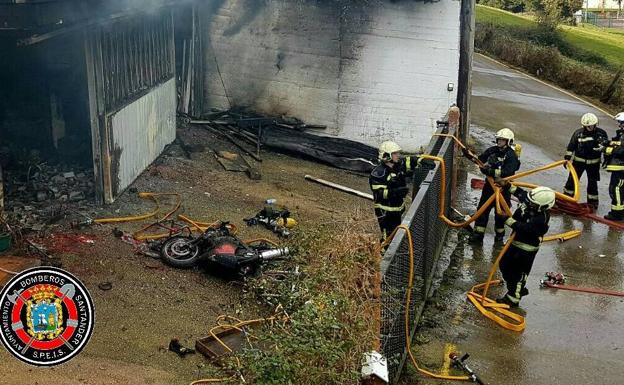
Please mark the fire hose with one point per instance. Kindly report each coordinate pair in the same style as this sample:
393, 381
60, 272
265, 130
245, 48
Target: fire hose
569, 208
505, 318
223, 325
557, 281
408, 298
585, 210
480, 300
139, 234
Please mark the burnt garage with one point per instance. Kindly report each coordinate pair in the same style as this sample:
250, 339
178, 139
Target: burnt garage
89, 94
90, 89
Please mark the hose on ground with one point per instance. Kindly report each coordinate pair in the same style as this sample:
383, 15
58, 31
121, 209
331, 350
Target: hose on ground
408, 298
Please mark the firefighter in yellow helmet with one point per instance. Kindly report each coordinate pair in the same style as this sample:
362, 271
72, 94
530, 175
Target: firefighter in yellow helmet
530, 223
614, 163
500, 161
584, 151
389, 185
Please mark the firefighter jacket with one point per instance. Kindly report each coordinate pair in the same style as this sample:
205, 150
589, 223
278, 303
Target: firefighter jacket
528, 224
500, 162
584, 146
614, 153
389, 184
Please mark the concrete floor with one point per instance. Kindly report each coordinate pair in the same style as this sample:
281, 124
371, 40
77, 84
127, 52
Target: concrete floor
570, 337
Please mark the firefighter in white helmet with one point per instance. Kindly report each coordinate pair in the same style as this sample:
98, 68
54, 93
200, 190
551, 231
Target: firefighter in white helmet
500, 161
614, 163
584, 151
530, 224
389, 185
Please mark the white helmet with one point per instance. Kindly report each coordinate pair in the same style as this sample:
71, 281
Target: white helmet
505, 133
589, 119
620, 117
542, 197
387, 148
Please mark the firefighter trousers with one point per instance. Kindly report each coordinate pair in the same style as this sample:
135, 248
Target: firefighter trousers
499, 220
593, 176
515, 266
388, 221
616, 192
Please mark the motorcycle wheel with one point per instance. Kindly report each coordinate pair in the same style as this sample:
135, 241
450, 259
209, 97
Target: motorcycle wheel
180, 252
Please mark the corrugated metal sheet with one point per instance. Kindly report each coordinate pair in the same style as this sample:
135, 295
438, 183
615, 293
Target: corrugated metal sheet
139, 133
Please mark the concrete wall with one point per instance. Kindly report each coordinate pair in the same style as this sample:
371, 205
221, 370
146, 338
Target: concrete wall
370, 71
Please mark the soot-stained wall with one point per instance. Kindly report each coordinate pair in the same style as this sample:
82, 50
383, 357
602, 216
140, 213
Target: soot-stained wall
369, 70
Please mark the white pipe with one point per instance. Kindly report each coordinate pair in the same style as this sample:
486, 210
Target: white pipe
339, 187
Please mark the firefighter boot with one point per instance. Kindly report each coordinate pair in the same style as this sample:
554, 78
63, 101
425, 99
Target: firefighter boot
507, 301
476, 237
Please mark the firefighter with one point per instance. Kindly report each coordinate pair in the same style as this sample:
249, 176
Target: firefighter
584, 150
614, 163
500, 161
389, 185
530, 223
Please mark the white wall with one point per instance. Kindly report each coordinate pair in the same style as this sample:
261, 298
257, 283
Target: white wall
607, 4
140, 131
370, 73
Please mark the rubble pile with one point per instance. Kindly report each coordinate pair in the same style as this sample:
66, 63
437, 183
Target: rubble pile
39, 194
287, 135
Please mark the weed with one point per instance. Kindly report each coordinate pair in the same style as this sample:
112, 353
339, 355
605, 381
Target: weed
330, 297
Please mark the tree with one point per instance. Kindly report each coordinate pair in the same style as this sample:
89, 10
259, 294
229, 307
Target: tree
552, 12
507, 5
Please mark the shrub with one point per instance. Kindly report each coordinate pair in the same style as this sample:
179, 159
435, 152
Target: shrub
548, 62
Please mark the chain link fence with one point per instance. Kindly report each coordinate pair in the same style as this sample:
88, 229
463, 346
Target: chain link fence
428, 235
603, 20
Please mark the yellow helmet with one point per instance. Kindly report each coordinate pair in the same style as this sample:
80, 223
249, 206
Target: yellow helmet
589, 119
505, 133
542, 197
289, 223
387, 148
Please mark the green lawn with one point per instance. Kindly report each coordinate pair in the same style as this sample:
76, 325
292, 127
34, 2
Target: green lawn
608, 43
499, 17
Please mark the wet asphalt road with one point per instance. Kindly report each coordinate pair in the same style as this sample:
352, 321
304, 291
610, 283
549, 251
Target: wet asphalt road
571, 337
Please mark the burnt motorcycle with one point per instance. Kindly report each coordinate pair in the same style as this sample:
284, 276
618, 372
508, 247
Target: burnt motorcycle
220, 248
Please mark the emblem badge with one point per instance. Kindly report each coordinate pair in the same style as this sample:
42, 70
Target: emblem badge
46, 316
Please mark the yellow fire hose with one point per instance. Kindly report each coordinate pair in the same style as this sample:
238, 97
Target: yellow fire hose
221, 327
481, 301
139, 236
152, 196
410, 283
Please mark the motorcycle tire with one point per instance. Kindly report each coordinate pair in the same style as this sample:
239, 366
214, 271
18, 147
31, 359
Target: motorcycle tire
180, 252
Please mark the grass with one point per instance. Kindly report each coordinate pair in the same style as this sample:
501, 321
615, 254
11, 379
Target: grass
332, 307
602, 42
607, 43
497, 16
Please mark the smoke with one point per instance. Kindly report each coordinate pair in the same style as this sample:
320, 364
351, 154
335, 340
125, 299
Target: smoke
115, 6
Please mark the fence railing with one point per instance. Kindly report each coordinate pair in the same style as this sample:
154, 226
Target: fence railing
609, 20
428, 235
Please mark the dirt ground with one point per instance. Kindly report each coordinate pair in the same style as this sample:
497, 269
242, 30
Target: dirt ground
149, 302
